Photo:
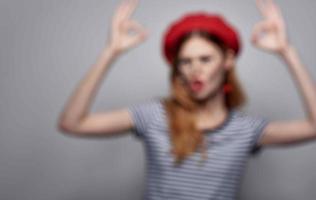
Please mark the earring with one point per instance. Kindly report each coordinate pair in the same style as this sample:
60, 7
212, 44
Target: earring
227, 88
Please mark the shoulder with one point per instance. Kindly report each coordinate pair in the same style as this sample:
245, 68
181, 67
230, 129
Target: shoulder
248, 119
144, 113
146, 109
252, 126
249, 123
147, 105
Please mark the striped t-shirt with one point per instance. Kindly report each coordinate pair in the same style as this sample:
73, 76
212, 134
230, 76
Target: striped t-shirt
219, 178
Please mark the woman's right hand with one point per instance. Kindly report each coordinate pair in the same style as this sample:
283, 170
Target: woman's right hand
120, 38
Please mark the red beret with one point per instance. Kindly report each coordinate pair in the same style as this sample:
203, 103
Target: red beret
212, 23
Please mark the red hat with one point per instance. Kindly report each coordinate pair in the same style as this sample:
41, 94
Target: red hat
212, 23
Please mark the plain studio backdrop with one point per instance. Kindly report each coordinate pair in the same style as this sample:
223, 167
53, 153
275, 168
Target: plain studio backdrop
48, 46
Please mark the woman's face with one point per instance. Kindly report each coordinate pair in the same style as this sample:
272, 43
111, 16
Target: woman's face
201, 67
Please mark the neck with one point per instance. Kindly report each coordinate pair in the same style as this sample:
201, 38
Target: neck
212, 113
212, 107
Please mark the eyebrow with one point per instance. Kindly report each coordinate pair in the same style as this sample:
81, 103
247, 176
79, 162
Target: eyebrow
187, 57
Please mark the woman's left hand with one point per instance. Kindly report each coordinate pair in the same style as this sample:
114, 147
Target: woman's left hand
270, 33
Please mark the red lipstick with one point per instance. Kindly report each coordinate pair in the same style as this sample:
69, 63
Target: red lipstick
197, 85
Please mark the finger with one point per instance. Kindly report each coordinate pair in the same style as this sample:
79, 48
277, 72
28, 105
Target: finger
140, 33
132, 4
261, 5
278, 17
271, 4
136, 27
120, 11
259, 29
275, 9
255, 32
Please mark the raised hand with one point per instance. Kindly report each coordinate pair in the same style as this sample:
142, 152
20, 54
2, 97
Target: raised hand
270, 33
121, 38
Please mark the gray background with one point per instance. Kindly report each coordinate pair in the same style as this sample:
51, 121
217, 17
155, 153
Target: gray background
47, 47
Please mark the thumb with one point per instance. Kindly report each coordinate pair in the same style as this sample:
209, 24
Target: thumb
140, 32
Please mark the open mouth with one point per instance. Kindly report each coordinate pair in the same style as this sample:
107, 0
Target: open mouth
197, 85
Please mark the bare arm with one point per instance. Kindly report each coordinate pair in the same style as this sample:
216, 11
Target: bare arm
295, 131
75, 117
275, 40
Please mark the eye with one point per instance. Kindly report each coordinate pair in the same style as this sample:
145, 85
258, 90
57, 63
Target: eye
184, 61
205, 59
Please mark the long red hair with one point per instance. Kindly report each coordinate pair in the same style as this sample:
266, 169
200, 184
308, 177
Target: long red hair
185, 137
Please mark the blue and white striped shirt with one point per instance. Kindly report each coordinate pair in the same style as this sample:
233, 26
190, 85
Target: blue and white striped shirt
219, 178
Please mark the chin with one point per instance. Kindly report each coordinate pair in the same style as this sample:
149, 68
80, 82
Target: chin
204, 95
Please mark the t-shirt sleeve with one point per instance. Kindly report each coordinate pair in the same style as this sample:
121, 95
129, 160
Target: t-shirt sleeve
141, 114
257, 124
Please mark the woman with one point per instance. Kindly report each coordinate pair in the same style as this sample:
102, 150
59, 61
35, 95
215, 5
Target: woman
197, 141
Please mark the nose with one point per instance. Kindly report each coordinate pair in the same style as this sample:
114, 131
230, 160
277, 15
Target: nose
196, 66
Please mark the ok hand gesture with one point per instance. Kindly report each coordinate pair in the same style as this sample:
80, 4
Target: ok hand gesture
270, 33
121, 39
